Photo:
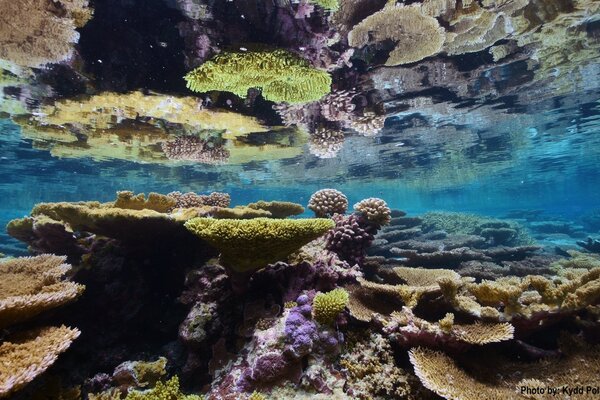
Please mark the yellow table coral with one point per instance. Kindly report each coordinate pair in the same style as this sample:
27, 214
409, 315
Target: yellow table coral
281, 75
248, 245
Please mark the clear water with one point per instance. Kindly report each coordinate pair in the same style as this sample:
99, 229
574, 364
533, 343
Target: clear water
505, 125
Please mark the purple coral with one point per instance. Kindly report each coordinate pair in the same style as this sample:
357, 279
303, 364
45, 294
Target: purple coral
351, 237
300, 330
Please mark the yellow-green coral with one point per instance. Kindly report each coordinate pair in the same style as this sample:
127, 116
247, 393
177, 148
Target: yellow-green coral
163, 391
257, 396
251, 244
327, 306
331, 5
281, 75
157, 202
278, 209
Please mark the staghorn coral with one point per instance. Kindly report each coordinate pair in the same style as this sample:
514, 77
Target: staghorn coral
247, 245
375, 210
35, 33
326, 142
157, 202
194, 148
416, 35
31, 285
278, 209
326, 202
26, 355
327, 306
168, 390
282, 76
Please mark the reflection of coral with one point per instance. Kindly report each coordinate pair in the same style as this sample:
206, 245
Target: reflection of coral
375, 210
31, 285
248, 245
338, 106
194, 148
34, 33
25, 356
369, 124
325, 142
282, 76
416, 35
326, 202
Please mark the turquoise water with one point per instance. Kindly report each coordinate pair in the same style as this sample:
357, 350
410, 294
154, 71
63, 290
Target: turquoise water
430, 170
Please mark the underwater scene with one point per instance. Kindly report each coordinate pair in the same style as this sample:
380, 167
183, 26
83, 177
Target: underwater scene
299, 199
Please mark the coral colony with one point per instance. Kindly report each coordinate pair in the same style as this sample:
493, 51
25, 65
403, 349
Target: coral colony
191, 295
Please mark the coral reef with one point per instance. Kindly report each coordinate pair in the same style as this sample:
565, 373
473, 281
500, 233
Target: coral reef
281, 75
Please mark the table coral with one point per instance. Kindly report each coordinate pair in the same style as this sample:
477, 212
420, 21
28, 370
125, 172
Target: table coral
25, 356
31, 285
247, 245
416, 35
278, 209
281, 75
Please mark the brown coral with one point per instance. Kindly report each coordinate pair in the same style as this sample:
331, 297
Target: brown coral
326, 202
416, 35
25, 356
34, 33
278, 209
375, 210
31, 285
368, 124
338, 106
157, 202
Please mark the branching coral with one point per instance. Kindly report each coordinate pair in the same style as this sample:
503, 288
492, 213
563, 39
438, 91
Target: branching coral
375, 210
191, 199
247, 245
416, 35
326, 202
368, 124
31, 285
34, 33
326, 142
25, 356
327, 306
282, 76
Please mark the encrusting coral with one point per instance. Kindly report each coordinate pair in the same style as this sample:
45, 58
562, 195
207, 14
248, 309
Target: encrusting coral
416, 35
327, 306
26, 355
247, 245
281, 75
35, 33
326, 202
31, 285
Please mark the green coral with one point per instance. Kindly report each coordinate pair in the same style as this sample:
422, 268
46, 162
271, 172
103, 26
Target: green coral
257, 396
331, 5
278, 209
281, 75
251, 244
163, 391
327, 306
